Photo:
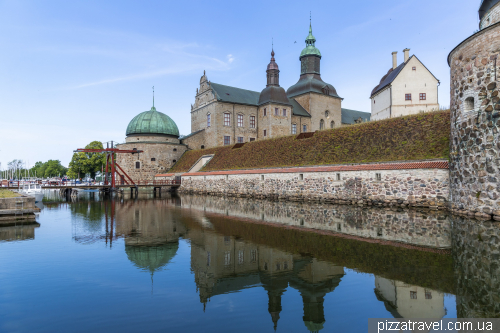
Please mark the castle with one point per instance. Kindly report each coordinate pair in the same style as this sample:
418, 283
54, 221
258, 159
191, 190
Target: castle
224, 115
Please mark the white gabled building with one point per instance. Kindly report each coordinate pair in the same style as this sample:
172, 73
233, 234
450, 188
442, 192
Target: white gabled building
406, 89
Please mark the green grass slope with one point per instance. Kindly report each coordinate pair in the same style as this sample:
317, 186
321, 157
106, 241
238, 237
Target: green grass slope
416, 137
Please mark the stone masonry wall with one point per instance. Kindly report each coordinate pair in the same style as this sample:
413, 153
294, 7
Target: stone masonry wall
416, 187
475, 119
492, 17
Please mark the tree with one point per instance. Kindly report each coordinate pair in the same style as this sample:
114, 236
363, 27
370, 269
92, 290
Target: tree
51, 168
87, 163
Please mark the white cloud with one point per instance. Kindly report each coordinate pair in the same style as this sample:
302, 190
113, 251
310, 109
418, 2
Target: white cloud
230, 58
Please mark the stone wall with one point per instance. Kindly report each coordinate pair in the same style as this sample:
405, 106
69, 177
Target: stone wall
475, 121
274, 125
370, 184
164, 154
196, 141
476, 250
492, 17
317, 105
422, 228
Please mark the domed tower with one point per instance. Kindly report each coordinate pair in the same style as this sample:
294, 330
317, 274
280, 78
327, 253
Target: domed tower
157, 135
275, 110
475, 118
317, 97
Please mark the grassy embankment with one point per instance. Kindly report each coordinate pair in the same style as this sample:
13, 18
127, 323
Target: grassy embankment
4, 193
416, 137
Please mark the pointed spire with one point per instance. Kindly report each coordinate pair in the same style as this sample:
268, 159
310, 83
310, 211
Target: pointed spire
153, 96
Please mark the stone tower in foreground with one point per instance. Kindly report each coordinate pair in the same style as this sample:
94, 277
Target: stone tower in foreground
475, 117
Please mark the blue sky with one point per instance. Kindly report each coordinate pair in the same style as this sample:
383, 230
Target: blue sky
76, 71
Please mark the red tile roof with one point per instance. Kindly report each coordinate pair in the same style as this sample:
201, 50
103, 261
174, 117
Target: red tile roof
333, 168
165, 175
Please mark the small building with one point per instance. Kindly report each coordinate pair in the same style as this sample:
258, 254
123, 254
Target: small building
408, 88
157, 135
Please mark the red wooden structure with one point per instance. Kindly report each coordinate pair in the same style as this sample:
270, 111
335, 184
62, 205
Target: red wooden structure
111, 165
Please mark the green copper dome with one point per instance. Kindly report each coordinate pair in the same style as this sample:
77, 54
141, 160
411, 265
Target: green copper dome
151, 258
152, 122
310, 48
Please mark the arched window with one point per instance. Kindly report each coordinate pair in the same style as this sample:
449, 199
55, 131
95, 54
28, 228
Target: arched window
332, 124
327, 114
137, 165
469, 104
202, 146
209, 120
321, 124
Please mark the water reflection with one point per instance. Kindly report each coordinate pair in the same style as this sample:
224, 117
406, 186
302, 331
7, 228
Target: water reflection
18, 232
476, 252
416, 257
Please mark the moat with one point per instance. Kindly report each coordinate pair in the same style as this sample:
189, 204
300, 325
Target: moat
189, 263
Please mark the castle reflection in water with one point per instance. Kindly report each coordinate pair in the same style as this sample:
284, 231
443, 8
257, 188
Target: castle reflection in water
416, 257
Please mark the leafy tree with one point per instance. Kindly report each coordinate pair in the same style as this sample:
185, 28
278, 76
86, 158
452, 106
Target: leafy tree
51, 168
87, 163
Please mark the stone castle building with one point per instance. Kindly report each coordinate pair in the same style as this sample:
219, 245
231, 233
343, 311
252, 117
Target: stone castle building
475, 114
406, 89
224, 115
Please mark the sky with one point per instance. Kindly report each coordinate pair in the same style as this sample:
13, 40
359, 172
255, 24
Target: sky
72, 72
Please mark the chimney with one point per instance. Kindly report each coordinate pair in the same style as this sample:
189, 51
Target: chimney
407, 54
394, 60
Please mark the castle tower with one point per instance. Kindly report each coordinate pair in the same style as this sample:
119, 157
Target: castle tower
475, 118
275, 110
317, 97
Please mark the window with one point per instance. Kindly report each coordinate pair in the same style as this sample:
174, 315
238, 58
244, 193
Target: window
240, 120
276, 112
252, 121
380, 232
469, 104
338, 176
265, 132
285, 265
262, 177
174, 161
253, 255
294, 128
227, 258
252, 139
153, 159
227, 240
327, 114
202, 146
278, 266
428, 295
284, 112
240, 257
137, 165
321, 124
413, 294
227, 140
227, 119
208, 258
301, 176
414, 68
240, 139
265, 112
407, 97
304, 128
378, 176
332, 124
175, 149
209, 120
339, 227
423, 97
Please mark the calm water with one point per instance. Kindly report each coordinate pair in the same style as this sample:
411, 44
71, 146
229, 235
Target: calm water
195, 263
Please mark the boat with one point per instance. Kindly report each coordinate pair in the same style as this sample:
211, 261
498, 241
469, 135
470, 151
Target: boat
34, 190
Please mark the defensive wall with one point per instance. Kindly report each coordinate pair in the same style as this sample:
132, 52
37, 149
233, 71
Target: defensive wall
394, 162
